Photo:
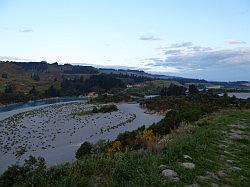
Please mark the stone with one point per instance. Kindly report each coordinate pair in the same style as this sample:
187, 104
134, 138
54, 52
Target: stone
236, 168
171, 175
187, 157
221, 173
222, 146
188, 165
203, 178
230, 161
162, 167
211, 175
222, 157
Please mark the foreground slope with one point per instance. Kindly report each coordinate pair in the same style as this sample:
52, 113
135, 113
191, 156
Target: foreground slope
216, 148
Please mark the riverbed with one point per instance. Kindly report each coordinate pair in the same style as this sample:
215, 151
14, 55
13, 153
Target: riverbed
55, 132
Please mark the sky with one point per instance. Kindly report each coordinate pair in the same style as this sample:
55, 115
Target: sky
205, 39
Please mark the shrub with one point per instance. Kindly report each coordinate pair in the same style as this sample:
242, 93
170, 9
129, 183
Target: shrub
171, 121
146, 139
31, 172
85, 149
147, 135
108, 108
13, 175
116, 147
101, 146
95, 110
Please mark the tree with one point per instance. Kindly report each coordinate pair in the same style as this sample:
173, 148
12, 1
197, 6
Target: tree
33, 91
35, 77
52, 92
175, 90
8, 89
193, 89
163, 91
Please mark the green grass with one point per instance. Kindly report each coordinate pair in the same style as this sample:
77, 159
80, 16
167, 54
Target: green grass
141, 168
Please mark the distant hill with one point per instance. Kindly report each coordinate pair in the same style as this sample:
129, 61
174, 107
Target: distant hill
126, 71
25, 75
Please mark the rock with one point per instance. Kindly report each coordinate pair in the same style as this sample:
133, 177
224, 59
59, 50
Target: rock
230, 161
188, 165
241, 127
171, 175
208, 177
221, 173
237, 131
229, 153
222, 146
236, 134
162, 167
187, 157
211, 175
222, 157
203, 178
236, 168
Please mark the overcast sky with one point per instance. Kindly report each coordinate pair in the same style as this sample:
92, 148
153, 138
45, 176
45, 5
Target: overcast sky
190, 38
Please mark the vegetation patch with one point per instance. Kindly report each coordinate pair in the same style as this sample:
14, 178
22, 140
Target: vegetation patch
102, 109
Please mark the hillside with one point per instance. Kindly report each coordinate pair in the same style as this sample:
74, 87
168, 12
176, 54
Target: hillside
25, 75
24, 81
40, 74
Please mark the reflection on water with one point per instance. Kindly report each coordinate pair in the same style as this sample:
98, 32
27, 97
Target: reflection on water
38, 103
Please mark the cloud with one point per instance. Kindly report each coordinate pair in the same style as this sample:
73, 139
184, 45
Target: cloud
234, 42
149, 37
11, 58
26, 30
172, 51
182, 44
195, 58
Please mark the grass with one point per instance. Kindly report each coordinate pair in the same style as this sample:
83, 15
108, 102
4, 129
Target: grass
141, 168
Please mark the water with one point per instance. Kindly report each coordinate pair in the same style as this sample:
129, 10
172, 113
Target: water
240, 95
16, 106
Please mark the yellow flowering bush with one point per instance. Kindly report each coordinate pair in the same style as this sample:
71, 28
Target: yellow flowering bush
147, 135
116, 146
147, 139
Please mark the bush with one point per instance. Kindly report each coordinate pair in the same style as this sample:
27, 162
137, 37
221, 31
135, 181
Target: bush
105, 109
171, 121
13, 175
116, 147
95, 110
101, 146
85, 149
108, 108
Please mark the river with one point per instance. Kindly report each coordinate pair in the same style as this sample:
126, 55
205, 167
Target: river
55, 133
